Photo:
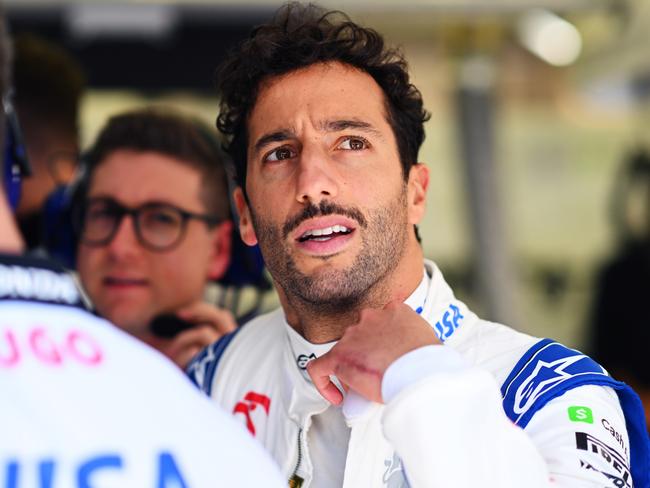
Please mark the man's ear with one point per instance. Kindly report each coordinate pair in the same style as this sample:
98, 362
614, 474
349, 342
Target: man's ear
246, 229
418, 184
221, 250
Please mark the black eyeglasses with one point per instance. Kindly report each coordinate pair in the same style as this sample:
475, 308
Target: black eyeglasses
158, 226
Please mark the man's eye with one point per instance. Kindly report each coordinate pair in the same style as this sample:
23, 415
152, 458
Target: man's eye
159, 218
279, 154
353, 144
100, 213
162, 218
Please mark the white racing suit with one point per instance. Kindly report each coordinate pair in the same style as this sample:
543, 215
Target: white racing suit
84, 405
491, 408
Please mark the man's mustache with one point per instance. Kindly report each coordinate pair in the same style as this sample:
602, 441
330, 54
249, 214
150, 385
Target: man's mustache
320, 210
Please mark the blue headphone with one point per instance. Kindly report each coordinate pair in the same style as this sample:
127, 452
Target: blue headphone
16, 165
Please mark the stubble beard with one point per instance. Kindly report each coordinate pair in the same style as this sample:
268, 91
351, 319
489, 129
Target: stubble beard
334, 291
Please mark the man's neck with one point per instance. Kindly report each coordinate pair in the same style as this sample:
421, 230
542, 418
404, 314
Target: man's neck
319, 327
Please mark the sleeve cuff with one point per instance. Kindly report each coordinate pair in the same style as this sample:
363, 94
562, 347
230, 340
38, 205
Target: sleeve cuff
417, 365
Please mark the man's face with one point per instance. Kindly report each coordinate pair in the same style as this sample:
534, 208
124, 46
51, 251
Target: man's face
328, 201
130, 284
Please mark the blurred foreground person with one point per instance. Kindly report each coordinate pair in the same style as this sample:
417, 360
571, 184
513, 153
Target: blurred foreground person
48, 85
83, 404
372, 373
154, 228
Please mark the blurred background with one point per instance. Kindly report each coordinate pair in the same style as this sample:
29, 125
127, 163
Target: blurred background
536, 143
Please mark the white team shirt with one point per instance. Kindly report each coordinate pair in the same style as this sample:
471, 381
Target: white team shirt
83, 404
443, 423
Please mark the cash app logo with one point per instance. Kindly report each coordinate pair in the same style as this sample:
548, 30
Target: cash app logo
581, 414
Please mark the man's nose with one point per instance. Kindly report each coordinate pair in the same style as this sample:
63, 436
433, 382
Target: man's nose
318, 176
125, 241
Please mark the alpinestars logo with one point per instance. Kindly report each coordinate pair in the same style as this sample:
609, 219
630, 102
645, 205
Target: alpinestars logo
586, 442
303, 359
198, 368
544, 377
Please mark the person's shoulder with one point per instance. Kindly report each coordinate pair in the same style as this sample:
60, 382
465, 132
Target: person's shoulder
270, 321
30, 280
488, 345
493, 346
505, 338
242, 350
266, 328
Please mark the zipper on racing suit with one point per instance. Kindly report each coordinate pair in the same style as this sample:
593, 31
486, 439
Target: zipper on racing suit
296, 481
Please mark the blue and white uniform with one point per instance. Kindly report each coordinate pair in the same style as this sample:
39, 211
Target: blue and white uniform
491, 407
83, 404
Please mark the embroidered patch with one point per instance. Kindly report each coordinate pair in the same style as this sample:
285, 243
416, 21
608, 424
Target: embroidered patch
450, 321
249, 404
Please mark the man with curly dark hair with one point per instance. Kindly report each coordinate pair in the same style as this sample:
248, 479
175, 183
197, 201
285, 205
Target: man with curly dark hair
372, 373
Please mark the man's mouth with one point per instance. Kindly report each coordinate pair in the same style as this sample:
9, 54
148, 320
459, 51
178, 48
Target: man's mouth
114, 281
324, 234
326, 214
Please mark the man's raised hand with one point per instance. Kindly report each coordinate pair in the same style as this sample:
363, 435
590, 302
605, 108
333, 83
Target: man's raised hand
366, 350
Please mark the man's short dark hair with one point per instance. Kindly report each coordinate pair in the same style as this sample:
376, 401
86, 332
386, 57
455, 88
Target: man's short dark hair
171, 134
303, 35
49, 84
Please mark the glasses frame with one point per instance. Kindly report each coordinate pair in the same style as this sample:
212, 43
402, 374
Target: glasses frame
134, 212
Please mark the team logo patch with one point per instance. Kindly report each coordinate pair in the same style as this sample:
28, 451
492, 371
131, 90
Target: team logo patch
249, 405
544, 372
303, 359
589, 443
581, 414
450, 321
617, 481
394, 474
544, 376
615, 434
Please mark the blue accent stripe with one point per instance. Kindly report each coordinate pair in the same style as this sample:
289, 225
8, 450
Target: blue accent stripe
548, 370
544, 372
203, 366
521, 364
638, 435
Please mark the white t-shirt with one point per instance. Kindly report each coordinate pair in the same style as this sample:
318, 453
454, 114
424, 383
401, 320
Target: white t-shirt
83, 404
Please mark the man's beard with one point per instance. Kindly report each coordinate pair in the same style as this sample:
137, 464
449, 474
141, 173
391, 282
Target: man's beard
335, 291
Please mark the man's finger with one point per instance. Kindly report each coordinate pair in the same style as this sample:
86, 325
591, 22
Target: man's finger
203, 335
184, 357
320, 370
205, 313
196, 339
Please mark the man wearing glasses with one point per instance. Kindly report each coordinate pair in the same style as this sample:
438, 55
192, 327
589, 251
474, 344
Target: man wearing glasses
74, 411
154, 228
